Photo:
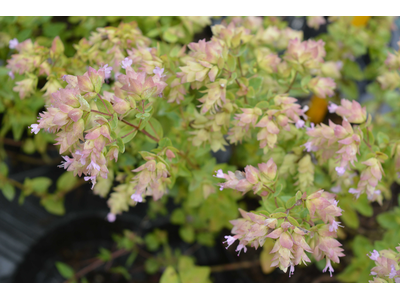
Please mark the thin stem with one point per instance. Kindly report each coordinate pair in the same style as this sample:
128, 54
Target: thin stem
240, 66
234, 266
245, 98
101, 113
291, 84
152, 127
269, 189
366, 143
276, 203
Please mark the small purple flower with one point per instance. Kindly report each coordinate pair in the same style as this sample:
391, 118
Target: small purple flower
116, 75
336, 189
310, 147
221, 188
137, 197
374, 255
64, 77
300, 124
158, 71
229, 240
220, 174
34, 128
66, 163
92, 178
240, 247
11, 74
92, 166
111, 217
332, 108
355, 192
393, 272
334, 226
311, 127
107, 71
340, 170
13, 43
328, 267
291, 270
127, 62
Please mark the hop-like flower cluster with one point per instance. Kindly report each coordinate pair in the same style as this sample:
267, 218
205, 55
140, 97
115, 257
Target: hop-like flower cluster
251, 179
152, 180
387, 266
305, 55
323, 206
251, 230
335, 139
369, 179
350, 111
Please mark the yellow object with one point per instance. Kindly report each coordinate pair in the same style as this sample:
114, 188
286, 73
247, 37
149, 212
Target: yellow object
318, 109
360, 21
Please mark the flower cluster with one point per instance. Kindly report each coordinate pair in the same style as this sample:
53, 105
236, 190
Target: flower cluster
387, 266
252, 178
341, 140
350, 111
369, 179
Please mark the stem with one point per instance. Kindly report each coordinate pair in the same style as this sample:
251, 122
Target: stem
291, 84
101, 113
245, 98
276, 203
366, 143
235, 266
141, 130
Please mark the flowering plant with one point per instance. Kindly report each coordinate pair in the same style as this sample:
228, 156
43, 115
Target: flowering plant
141, 119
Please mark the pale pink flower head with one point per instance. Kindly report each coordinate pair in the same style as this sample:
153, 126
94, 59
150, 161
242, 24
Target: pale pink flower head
374, 255
393, 61
268, 170
240, 247
127, 62
13, 43
249, 116
334, 226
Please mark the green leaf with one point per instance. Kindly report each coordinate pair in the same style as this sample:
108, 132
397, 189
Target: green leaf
114, 121
293, 221
170, 37
255, 83
305, 80
187, 234
151, 266
389, 220
178, 216
8, 191
382, 139
164, 142
66, 181
104, 255
152, 242
40, 184
231, 63
66, 271
121, 145
349, 217
3, 169
155, 129
169, 276
292, 201
53, 204
121, 270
